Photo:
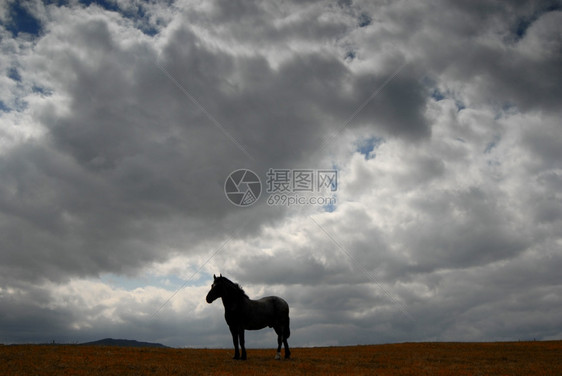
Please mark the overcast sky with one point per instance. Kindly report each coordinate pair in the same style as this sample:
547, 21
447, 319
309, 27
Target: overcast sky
121, 121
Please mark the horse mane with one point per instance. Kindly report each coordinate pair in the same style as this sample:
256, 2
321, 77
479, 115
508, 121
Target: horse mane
235, 287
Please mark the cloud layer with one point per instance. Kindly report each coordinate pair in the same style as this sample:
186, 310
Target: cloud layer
120, 124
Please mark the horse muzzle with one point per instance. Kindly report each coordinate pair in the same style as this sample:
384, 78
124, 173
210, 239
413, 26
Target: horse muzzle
210, 299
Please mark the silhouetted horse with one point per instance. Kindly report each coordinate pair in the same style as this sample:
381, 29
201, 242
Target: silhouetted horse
242, 313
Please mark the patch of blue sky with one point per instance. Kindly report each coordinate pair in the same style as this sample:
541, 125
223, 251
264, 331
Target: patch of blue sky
17, 104
3, 107
14, 74
41, 90
524, 23
58, 3
168, 282
507, 109
331, 206
135, 13
492, 144
335, 166
350, 55
142, 20
107, 5
20, 20
460, 105
367, 146
437, 95
364, 20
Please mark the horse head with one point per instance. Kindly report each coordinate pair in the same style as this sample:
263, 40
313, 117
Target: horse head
217, 289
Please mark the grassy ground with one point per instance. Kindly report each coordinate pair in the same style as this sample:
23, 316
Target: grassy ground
503, 358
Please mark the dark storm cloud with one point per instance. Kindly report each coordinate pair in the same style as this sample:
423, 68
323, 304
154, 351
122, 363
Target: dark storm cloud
398, 110
544, 140
257, 25
477, 43
471, 232
129, 158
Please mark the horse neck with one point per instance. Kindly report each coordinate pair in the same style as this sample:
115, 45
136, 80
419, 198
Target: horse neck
234, 299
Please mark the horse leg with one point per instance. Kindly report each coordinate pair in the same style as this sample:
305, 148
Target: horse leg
287, 351
242, 342
286, 334
279, 332
234, 333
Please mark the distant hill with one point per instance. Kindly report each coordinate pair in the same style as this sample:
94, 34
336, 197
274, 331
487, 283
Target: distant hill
123, 343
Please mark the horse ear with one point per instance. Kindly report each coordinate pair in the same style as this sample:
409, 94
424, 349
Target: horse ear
221, 274
214, 276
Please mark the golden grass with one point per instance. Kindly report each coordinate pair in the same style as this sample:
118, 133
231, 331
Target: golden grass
499, 358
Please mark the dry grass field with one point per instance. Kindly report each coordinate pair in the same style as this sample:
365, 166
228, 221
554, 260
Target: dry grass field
502, 358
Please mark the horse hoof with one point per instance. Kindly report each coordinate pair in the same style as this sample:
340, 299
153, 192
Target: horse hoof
278, 356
